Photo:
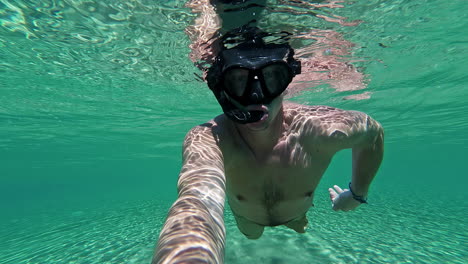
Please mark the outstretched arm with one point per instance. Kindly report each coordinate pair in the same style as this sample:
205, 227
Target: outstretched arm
194, 229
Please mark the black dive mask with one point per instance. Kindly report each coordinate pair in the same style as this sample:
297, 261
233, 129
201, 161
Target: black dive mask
250, 86
242, 77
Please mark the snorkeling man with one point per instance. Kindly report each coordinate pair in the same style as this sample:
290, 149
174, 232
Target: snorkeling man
267, 156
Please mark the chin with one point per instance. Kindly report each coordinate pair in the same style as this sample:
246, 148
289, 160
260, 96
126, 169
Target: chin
256, 127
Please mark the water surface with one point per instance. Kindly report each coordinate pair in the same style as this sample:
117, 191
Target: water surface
96, 97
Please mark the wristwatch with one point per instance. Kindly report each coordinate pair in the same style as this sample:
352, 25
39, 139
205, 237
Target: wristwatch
358, 198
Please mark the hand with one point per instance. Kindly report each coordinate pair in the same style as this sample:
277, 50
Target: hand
342, 199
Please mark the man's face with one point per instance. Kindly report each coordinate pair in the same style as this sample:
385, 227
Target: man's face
249, 82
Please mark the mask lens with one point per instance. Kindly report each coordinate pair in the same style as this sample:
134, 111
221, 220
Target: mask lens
277, 77
235, 81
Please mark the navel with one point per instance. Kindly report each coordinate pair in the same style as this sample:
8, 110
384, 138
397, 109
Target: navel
240, 197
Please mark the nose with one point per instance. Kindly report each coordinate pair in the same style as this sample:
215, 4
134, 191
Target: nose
256, 96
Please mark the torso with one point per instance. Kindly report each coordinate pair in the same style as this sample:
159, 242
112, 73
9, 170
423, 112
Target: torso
278, 188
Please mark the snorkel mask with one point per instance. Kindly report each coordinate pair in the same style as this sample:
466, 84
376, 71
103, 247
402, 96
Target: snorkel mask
251, 74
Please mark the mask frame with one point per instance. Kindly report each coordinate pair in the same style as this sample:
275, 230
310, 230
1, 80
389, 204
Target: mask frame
257, 89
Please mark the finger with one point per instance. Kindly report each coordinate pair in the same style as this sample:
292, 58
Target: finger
333, 194
337, 188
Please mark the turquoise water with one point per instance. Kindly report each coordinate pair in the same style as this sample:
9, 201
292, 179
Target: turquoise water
95, 100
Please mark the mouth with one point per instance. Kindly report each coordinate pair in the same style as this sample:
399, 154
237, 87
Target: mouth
257, 107
260, 116
259, 112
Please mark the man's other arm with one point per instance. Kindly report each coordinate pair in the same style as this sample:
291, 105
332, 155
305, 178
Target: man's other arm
194, 229
329, 130
365, 136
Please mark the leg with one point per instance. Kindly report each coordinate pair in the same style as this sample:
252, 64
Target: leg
299, 224
250, 229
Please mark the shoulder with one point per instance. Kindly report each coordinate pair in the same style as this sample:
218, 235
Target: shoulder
329, 124
205, 137
202, 134
312, 111
324, 118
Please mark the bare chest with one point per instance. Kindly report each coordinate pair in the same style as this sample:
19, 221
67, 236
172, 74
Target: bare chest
278, 187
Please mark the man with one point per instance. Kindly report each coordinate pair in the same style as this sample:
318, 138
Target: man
267, 156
